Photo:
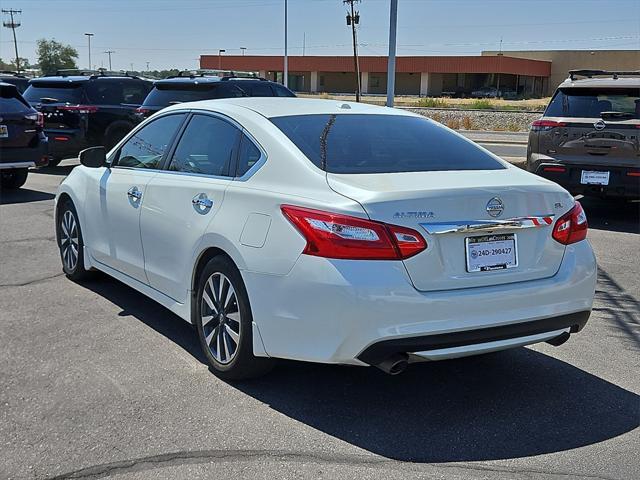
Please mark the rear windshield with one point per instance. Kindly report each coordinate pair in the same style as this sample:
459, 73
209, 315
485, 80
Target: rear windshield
165, 95
382, 144
11, 101
63, 93
592, 102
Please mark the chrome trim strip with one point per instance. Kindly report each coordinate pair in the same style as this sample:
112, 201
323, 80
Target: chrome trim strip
467, 226
17, 165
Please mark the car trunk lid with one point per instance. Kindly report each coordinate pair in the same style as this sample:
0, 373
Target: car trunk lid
451, 210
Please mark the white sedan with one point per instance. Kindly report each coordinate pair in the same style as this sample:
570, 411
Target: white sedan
329, 232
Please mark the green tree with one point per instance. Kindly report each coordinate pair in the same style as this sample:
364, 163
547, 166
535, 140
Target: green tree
54, 56
4, 65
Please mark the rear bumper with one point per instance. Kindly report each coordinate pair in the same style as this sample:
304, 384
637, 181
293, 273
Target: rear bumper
335, 311
65, 143
25, 157
621, 183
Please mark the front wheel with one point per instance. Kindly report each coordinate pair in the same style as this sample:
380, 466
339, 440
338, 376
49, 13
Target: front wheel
224, 322
13, 178
70, 242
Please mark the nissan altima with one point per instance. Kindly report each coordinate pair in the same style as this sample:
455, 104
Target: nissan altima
328, 232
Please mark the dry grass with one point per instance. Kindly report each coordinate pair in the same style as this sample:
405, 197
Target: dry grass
467, 123
454, 124
436, 117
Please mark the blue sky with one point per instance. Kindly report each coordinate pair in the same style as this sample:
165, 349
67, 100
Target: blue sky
173, 33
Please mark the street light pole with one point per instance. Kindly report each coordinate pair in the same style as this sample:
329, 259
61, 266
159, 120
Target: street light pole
285, 74
391, 62
220, 52
89, 35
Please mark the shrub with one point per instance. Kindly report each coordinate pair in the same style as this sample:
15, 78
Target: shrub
454, 124
436, 117
467, 122
481, 104
432, 102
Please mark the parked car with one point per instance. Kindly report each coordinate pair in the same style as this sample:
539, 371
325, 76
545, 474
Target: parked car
486, 92
331, 232
14, 78
190, 88
22, 141
86, 109
588, 139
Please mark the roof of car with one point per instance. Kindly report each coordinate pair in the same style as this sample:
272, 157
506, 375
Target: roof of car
606, 82
285, 106
198, 79
80, 78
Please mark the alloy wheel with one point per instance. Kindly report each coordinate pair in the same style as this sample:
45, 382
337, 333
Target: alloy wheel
69, 240
220, 318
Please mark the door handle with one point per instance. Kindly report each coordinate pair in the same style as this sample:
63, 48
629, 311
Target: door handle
202, 203
134, 193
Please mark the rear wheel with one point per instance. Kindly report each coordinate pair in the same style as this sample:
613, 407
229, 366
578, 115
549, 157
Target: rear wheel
70, 242
224, 322
13, 178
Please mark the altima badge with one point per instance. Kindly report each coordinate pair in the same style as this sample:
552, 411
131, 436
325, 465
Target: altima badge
495, 207
413, 215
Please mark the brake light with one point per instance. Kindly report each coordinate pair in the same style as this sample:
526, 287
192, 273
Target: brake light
142, 110
79, 108
40, 120
554, 169
546, 125
633, 173
572, 226
333, 235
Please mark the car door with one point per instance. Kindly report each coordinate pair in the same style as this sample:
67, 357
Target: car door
181, 201
113, 223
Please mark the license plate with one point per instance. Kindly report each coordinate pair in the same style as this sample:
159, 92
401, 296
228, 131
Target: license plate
4, 131
589, 177
491, 252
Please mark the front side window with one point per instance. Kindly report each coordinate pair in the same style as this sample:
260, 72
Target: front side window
206, 147
593, 102
355, 143
248, 156
146, 147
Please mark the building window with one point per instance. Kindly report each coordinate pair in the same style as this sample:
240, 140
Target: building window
322, 80
374, 81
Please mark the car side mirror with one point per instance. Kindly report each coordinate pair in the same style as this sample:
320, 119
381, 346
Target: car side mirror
94, 157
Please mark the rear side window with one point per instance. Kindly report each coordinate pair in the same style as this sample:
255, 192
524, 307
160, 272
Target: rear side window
11, 101
592, 102
55, 92
357, 143
257, 89
282, 91
248, 156
146, 148
165, 95
206, 147
116, 92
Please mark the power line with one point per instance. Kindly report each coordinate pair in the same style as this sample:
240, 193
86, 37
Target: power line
353, 19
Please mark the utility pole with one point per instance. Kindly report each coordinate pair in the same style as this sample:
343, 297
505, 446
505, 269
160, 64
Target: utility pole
220, 52
285, 73
243, 50
391, 62
131, 67
147, 66
353, 19
89, 35
13, 24
499, 66
304, 42
109, 52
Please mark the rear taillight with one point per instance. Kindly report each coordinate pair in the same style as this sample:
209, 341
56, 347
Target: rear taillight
333, 235
633, 173
40, 120
572, 226
79, 108
554, 169
546, 125
142, 110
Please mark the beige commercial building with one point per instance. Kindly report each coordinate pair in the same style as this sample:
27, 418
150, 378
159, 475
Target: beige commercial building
564, 60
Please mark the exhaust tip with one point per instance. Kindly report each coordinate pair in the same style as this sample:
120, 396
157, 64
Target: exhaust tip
559, 340
395, 364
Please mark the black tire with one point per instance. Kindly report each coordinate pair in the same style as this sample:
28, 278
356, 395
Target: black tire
226, 362
115, 133
67, 224
13, 178
54, 162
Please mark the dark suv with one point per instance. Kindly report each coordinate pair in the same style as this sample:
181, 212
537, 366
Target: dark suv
588, 139
14, 78
22, 141
194, 87
86, 109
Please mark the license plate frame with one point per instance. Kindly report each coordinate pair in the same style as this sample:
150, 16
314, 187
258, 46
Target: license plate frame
4, 131
492, 241
595, 177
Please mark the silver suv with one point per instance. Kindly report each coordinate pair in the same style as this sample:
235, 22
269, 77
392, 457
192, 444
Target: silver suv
588, 139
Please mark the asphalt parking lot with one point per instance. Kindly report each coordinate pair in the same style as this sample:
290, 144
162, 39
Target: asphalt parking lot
98, 381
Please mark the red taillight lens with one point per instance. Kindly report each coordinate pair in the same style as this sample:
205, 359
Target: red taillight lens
546, 125
633, 173
333, 235
142, 110
40, 120
554, 169
79, 108
572, 226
